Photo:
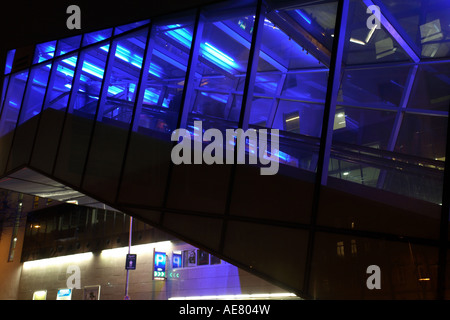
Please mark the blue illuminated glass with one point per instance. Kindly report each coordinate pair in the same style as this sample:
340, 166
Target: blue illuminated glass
130, 26
68, 45
123, 82
13, 101
431, 89
34, 95
221, 71
261, 108
164, 82
299, 117
366, 46
9, 60
59, 89
366, 127
96, 36
5, 86
90, 81
44, 51
309, 86
290, 89
376, 86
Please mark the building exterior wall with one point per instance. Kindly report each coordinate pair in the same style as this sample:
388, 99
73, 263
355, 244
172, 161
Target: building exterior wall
107, 269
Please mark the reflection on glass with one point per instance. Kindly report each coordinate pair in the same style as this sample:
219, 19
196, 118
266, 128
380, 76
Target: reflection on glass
422, 136
90, 80
44, 51
130, 26
425, 23
123, 81
164, 82
9, 60
13, 100
369, 45
34, 95
291, 83
59, 89
363, 127
96, 36
5, 85
68, 45
374, 86
431, 88
221, 70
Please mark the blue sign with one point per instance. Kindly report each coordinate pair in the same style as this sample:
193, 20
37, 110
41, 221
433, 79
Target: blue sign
159, 266
64, 294
176, 260
130, 263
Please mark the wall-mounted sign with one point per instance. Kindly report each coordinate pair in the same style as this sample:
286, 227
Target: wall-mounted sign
91, 293
159, 265
130, 263
176, 260
64, 294
40, 295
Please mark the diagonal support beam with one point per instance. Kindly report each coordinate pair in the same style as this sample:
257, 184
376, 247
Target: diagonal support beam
394, 29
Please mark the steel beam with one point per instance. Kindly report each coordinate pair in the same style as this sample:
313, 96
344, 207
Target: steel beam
393, 28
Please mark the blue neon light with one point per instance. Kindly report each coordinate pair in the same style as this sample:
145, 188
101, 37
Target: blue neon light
209, 51
214, 96
304, 16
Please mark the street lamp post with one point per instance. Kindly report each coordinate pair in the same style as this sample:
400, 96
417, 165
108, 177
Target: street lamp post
129, 251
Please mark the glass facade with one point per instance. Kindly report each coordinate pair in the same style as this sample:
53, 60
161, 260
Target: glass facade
357, 106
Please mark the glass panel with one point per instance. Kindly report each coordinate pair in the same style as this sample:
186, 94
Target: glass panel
291, 82
96, 36
279, 50
426, 23
164, 82
221, 68
369, 45
309, 86
374, 86
261, 108
363, 127
133, 25
318, 20
354, 172
122, 85
5, 86
44, 51
422, 136
431, 88
12, 102
299, 117
9, 60
59, 88
34, 96
68, 44
90, 81
406, 270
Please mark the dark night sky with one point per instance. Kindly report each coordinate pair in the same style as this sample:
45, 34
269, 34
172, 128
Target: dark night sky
28, 22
